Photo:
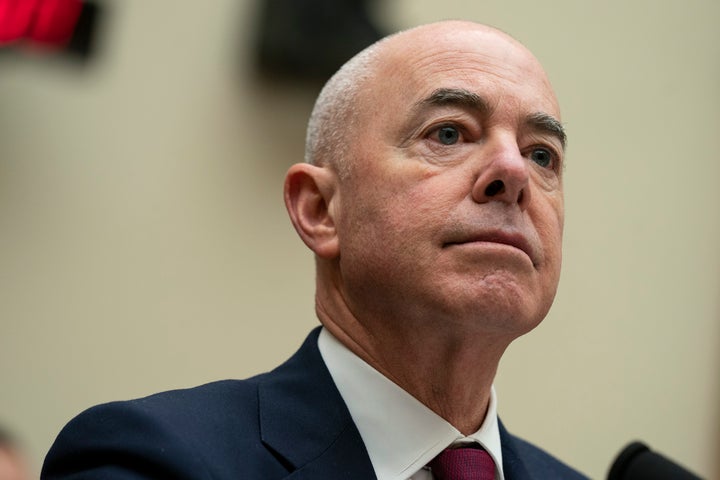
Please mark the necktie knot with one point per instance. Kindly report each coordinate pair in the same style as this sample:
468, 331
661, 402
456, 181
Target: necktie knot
465, 463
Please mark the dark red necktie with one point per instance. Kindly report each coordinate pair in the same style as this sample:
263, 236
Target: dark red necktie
466, 463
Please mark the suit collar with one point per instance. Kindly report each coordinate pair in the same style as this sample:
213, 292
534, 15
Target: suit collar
513, 465
385, 414
305, 422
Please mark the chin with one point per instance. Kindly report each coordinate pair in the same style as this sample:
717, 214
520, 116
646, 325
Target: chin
507, 311
513, 323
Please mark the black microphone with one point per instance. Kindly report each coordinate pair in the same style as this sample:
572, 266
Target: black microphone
638, 462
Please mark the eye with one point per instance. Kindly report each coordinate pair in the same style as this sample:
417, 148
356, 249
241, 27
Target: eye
542, 157
448, 135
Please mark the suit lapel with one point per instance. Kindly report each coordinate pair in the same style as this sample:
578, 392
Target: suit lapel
345, 458
305, 422
513, 465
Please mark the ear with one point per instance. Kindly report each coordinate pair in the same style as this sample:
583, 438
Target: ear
309, 191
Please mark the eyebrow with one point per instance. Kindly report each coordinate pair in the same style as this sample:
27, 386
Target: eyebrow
458, 97
540, 121
454, 97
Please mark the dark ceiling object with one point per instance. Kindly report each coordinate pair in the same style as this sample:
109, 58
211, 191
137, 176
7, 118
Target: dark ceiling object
311, 39
66, 26
82, 43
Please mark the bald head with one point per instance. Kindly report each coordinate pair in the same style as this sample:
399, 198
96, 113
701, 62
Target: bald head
336, 114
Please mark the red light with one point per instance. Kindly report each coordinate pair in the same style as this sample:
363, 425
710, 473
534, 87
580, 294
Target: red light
48, 22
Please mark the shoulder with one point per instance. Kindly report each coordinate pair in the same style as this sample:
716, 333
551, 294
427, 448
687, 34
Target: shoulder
189, 433
216, 406
205, 402
208, 432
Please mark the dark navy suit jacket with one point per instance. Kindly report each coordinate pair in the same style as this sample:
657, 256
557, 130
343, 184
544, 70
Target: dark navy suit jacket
289, 424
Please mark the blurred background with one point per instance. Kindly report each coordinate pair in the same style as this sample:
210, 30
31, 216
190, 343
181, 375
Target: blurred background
144, 244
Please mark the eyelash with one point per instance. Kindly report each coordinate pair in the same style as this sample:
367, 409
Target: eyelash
435, 130
555, 157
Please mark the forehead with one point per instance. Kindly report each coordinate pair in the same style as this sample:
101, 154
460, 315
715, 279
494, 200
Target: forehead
460, 56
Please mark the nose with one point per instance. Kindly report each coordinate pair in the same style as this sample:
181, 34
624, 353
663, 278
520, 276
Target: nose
503, 176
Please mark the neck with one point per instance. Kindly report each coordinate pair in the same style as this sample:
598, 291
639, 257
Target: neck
445, 365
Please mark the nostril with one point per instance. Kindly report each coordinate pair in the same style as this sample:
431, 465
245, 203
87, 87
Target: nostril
495, 187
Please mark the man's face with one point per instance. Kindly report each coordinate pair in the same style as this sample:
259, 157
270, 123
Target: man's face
453, 209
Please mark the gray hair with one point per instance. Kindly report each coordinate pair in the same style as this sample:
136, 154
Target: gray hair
335, 113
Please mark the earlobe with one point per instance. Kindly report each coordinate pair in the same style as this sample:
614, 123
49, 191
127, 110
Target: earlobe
309, 191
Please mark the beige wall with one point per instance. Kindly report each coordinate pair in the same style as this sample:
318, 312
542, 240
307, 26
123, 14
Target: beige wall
144, 244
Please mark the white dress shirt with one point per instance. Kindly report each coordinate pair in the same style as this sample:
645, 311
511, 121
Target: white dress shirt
400, 433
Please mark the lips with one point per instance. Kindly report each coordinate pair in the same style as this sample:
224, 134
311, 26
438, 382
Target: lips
502, 237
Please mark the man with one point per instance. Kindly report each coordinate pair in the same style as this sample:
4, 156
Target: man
432, 200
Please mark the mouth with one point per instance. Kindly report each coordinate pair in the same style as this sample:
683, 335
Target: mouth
515, 240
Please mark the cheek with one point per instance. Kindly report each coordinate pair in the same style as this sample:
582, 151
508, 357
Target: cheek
405, 202
549, 223
399, 207
391, 235
416, 216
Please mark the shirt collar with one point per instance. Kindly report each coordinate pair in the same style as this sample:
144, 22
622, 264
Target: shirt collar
400, 433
